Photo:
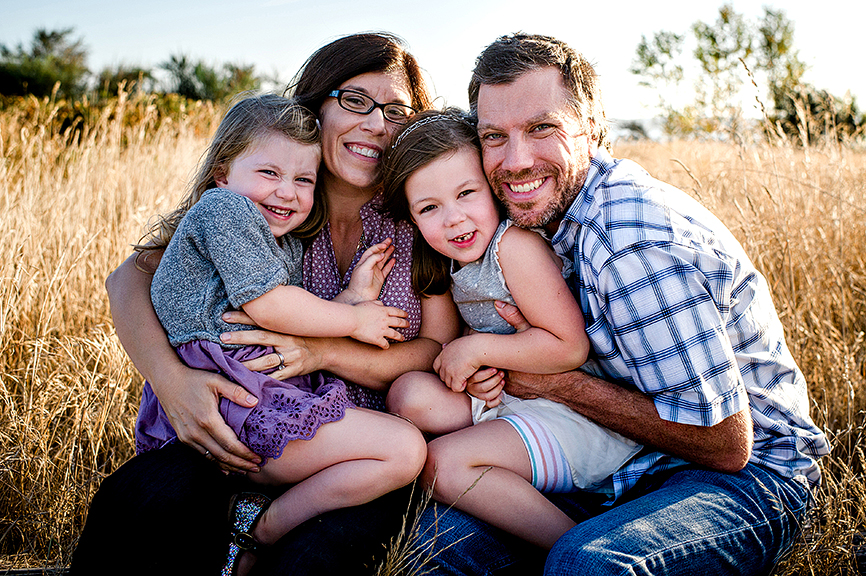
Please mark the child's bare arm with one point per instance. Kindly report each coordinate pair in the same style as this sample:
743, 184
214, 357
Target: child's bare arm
555, 342
293, 310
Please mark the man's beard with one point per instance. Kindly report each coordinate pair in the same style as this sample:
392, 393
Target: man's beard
532, 214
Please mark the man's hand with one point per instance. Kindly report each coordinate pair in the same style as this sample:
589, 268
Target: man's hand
487, 384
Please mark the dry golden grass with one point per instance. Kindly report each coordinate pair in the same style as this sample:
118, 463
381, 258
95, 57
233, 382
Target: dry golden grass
72, 203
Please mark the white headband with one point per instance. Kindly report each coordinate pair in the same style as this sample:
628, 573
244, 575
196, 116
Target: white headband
425, 121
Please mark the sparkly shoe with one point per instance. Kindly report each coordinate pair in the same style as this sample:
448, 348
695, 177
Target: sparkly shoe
244, 511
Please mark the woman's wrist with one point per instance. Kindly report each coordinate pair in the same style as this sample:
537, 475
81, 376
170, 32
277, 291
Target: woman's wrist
168, 376
319, 354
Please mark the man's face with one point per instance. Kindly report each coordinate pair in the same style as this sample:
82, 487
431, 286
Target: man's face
536, 152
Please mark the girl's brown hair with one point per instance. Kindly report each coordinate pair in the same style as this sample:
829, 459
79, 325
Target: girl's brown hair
425, 138
245, 123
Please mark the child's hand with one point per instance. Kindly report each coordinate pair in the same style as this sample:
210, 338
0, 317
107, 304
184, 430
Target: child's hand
378, 323
369, 274
457, 362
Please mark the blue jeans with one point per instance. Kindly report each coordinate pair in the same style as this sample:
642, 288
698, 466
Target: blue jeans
692, 521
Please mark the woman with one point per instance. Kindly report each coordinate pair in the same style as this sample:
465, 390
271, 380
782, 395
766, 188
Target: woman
361, 86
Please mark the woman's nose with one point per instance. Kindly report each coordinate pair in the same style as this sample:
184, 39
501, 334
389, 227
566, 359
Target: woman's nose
375, 121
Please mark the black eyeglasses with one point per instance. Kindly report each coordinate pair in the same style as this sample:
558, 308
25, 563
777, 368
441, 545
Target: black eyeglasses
360, 103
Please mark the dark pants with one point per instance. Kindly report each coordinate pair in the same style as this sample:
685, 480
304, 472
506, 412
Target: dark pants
166, 512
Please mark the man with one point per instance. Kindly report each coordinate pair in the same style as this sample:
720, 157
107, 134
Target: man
682, 325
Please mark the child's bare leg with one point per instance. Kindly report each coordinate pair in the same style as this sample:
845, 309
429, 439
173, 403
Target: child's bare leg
349, 462
504, 496
425, 400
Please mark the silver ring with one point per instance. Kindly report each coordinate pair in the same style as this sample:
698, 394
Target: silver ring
282, 360
207, 454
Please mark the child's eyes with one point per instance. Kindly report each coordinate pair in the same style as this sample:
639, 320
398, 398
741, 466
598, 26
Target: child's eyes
426, 208
305, 180
463, 193
269, 172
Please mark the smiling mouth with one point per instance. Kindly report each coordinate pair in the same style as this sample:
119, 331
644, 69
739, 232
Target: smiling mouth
463, 237
364, 151
526, 186
284, 212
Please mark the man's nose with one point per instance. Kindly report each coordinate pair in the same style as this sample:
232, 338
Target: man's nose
518, 155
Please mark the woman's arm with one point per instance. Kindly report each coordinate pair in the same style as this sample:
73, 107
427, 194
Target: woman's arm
189, 397
554, 342
352, 360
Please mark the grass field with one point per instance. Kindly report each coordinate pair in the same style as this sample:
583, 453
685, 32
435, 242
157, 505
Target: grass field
75, 195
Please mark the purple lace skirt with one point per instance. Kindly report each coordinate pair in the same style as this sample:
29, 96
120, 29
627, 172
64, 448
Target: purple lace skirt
291, 409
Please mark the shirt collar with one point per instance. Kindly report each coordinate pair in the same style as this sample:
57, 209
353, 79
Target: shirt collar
599, 166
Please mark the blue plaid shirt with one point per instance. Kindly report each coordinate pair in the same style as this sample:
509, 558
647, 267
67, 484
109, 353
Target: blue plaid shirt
676, 309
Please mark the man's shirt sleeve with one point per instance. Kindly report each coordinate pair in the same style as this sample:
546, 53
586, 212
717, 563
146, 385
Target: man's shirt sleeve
667, 306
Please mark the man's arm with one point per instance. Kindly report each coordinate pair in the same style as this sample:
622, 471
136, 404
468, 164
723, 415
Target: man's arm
725, 447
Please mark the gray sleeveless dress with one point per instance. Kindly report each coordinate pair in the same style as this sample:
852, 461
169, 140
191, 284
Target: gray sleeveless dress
592, 451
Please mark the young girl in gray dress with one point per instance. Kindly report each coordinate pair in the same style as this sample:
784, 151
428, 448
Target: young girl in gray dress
228, 246
518, 448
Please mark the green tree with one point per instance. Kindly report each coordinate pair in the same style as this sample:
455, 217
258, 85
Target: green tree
722, 51
131, 77
199, 81
54, 57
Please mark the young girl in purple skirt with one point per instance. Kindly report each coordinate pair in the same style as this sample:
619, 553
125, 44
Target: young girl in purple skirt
229, 247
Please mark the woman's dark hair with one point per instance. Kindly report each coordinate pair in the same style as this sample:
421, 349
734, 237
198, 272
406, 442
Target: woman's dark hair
344, 58
428, 136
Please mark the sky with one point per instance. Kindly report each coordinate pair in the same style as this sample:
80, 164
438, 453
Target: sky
445, 35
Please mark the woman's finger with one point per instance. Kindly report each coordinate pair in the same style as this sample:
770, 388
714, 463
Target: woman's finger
217, 440
260, 337
238, 317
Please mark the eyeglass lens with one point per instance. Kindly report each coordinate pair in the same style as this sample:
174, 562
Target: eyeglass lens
363, 104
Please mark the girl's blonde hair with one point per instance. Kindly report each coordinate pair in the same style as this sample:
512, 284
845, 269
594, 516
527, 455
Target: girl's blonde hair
243, 125
425, 138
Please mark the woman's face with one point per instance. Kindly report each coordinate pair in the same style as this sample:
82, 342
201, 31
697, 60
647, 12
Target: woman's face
352, 144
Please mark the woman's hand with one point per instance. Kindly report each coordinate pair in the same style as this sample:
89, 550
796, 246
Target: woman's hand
193, 410
296, 354
189, 397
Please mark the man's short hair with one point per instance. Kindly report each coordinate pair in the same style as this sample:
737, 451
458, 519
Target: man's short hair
513, 55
